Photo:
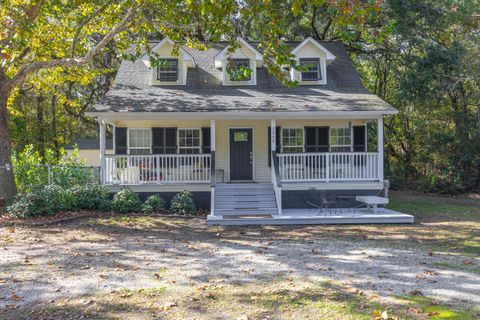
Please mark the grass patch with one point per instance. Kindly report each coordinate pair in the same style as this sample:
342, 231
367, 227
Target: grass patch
435, 206
424, 307
460, 267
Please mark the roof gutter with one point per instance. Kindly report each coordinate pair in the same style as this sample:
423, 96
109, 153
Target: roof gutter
251, 115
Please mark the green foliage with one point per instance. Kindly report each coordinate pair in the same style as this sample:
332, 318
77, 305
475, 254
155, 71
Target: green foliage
153, 204
49, 200
90, 197
126, 201
33, 170
182, 203
40, 202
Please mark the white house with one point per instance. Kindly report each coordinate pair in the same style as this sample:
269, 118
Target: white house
251, 148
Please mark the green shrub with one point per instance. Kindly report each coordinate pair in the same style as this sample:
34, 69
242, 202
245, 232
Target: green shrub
182, 203
126, 201
90, 196
33, 170
40, 202
52, 199
153, 204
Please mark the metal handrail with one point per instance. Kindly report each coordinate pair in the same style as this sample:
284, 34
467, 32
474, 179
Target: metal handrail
213, 176
278, 180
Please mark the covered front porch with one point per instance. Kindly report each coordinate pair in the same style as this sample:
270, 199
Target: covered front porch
247, 165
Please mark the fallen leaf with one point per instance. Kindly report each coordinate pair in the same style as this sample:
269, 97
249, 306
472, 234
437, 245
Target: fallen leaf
414, 310
416, 293
168, 305
14, 297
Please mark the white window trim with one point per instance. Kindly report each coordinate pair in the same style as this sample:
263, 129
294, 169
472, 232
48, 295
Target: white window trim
181, 73
200, 140
297, 74
281, 138
226, 76
138, 148
340, 145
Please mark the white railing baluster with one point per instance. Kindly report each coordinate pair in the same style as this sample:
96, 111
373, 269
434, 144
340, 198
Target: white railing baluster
328, 166
157, 169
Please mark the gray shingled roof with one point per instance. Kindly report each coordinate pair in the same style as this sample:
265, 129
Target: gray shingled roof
204, 92
89, 144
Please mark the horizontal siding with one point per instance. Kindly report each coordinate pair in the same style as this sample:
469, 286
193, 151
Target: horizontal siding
166, 52
309, 50
260, 137
260, 146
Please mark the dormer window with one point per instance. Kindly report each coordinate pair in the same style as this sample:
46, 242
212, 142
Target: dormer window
238, 73
167, 70
310, 69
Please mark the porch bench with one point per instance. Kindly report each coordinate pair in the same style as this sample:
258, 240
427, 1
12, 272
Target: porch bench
372, 201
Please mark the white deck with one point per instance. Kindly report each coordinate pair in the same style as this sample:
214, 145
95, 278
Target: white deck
313, 216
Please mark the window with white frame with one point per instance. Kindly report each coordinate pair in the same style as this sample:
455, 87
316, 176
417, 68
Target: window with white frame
310, 69
340, 139
139, 141
236, 73
167, 71
189, 141
292, 140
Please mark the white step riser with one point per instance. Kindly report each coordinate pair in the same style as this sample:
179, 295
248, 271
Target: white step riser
244, 193
246, 206
244, 200
245, 212
245, 185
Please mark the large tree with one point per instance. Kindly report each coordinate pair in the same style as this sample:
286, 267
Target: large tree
56, 41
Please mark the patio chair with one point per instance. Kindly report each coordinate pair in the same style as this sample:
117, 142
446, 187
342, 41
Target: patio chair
319, 200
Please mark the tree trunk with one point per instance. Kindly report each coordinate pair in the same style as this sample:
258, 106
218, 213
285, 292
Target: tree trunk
41, 126
7, 181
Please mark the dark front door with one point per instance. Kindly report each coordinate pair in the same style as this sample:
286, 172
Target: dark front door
241, 154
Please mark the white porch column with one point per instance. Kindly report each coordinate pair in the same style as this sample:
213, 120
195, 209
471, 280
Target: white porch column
212, 135
212, 163
380, 147
273, 135
102, 151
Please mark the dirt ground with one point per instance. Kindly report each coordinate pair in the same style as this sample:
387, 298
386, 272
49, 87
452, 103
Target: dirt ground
148, 267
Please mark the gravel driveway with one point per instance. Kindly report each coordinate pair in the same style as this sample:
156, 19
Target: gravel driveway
43, 264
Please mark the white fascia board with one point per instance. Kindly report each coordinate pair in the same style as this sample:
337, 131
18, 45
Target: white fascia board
329, 56
186, 55
251, 115
221, 55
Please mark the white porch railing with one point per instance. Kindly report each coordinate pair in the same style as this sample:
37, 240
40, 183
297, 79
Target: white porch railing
157, 169
332, 166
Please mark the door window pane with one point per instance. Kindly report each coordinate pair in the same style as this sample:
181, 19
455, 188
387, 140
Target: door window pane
240, 136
